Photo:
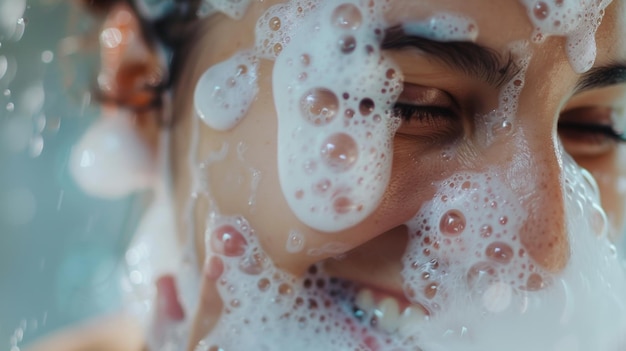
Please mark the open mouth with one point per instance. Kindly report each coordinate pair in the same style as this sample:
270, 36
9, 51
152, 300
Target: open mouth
390, 314
375, 317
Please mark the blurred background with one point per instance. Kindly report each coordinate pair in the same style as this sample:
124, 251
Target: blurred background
59, 249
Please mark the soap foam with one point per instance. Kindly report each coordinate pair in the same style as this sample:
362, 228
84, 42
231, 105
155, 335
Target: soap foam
333, 80
577, 20
486, 299
334, 92
225, 91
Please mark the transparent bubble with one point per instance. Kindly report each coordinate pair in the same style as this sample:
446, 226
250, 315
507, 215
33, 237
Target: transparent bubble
499, 252
366, 106
480, 273
347, 44
339, 152
295, 242
4, 65
347, 16
319, 106
253, 264
541, 10
430, 291
274, 23
452, 223
343, 205
228, 241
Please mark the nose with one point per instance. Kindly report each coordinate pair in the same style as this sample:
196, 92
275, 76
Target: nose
536, 174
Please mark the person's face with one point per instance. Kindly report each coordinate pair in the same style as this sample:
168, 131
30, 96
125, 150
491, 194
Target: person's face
480, 159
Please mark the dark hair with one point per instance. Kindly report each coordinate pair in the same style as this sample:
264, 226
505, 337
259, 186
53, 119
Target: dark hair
169, 31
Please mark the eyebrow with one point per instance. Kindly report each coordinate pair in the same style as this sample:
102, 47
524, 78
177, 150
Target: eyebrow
468, 57
600, 77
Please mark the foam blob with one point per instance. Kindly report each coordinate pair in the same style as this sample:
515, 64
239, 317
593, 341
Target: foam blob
334, 147
577, 20
225, 91
110, 160
484, 291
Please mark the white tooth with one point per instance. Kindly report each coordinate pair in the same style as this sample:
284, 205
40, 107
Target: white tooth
411, 321
389, 317
365, 300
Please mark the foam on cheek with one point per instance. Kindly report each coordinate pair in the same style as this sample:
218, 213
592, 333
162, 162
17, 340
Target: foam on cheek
268, 309
334, 90
225, 91
577, 20
466, 265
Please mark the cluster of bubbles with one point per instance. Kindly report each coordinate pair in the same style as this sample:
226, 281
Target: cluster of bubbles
465, 260
577, 20
334, 91
467, 236
225, 91
298, 313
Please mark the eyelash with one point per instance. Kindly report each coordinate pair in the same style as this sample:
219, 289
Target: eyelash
427, 114
594, 129
436, 117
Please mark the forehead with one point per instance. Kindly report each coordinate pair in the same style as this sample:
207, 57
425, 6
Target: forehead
502, 22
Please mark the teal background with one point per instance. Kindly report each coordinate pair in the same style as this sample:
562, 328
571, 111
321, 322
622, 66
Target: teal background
59, 249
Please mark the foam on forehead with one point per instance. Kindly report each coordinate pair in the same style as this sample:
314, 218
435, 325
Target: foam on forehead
577, 20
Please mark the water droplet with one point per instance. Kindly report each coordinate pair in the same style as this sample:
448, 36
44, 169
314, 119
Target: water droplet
541, 10
499, 252
285, 289
319, 106
391, 73
430, 291
253, 264
228, 241
322, 186
340, 152
295, 242
366, 106
349, 113
452, 223
343, 205
10, 107
503, 220
534, 282
347, 44
480, 272
305, 59
263, 284
486, 231
47, 56
274, 23
278, 48
347, 16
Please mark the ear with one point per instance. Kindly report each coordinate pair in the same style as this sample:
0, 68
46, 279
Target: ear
117, 155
